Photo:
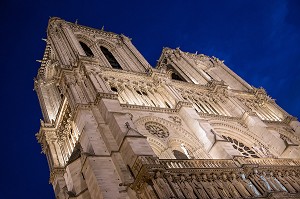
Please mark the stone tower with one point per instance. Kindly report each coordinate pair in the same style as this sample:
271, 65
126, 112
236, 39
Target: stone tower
115, 127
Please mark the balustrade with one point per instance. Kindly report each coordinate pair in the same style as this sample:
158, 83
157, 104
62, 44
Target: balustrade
216, 178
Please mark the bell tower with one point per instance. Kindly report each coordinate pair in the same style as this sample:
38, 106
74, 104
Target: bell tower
115, 127
90, 142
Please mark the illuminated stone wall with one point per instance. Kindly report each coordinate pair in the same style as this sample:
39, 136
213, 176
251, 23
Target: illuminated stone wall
106, 110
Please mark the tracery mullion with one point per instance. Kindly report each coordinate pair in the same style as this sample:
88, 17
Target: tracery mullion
137, 96
197, 101
68, 145
129, 95
153, 98
212, 108
266, 116
195, 105
158, 98
145, 97
163, 100
165, 97
205, 106
219, 108
124, 95
260, 115
272, 113
73, 141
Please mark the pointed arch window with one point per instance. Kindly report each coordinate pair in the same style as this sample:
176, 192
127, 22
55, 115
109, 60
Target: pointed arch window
175, 75
86, 49
110, 58
241, 147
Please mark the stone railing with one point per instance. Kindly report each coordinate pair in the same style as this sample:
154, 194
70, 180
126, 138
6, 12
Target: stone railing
220, 163
268, 161
216, 178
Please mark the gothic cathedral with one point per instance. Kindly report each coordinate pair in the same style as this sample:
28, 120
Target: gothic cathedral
116, 128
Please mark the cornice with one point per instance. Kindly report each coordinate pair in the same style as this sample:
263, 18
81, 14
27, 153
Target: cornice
97, 32
148, 108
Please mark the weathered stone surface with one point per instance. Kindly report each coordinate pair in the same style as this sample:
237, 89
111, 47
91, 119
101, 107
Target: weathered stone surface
114, 127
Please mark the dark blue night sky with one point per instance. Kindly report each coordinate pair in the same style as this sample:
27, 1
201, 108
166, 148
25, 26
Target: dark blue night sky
258, 39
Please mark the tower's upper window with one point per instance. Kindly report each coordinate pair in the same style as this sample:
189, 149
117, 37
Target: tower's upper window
86, 49
110, 58
175, 75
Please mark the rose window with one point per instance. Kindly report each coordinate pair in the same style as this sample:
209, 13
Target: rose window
157, 129
243, 149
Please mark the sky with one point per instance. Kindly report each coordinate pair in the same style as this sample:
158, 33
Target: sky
258, 39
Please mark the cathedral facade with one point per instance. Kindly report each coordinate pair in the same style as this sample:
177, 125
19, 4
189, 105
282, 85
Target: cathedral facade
114, 127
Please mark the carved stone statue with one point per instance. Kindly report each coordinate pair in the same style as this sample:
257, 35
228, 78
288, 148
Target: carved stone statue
273, 182
150, 192
239, 186
296, 178
292, 181
208, 186
161, 187
198, 188
228, 185
285, 183
174, 186
221, 189
260, 181
186, 188
249, 186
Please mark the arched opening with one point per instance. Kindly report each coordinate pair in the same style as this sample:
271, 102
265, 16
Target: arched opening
180, 155
110, 58
114, 89
86, 49
175, 75
241, 147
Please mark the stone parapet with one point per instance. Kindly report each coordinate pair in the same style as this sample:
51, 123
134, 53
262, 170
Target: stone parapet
216, 178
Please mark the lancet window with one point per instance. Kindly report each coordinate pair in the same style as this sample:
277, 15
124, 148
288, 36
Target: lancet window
204, 104
265, 113
241, 147
142, 96
110, 58
174, 74
86, 49
67, 137
264, 110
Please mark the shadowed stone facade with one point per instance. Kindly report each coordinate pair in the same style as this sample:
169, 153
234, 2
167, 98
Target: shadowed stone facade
115, 127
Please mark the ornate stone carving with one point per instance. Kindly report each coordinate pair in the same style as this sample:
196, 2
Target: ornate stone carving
176, 119
157, 129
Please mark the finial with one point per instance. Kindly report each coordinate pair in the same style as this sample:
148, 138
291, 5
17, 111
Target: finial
76, 22
44, 39
38, 60
196, 53
102, 28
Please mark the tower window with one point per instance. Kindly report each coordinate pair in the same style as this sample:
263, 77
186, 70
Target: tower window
176, 76
110, 58
241, 147
114, 89
86, 49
